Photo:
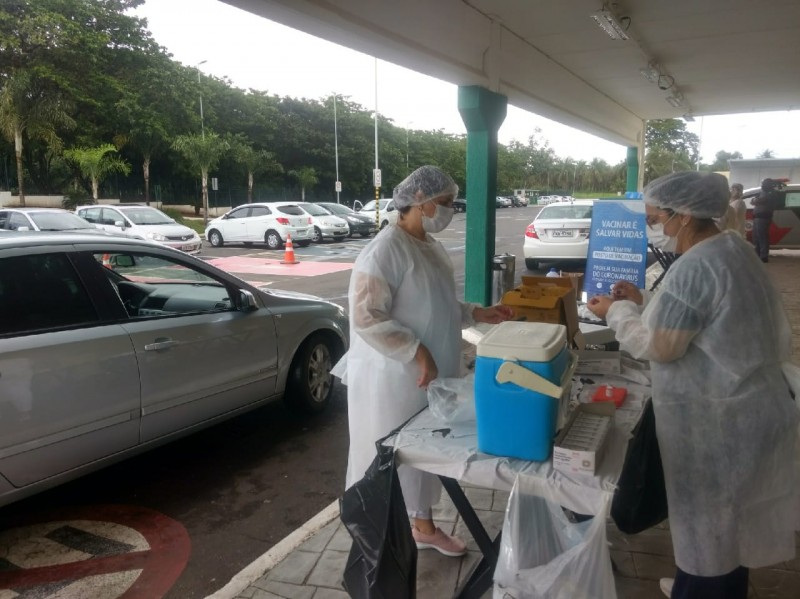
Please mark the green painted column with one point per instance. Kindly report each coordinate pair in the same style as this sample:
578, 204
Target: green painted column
632, 182
483, 112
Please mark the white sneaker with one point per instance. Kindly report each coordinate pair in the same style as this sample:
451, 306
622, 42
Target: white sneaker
666, 586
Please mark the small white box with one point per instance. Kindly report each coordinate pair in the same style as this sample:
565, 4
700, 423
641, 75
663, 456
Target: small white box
598, 362
580, 445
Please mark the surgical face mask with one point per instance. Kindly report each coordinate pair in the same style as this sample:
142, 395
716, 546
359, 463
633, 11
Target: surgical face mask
439, 221
659, 239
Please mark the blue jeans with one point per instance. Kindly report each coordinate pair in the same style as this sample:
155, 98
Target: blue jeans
732, 585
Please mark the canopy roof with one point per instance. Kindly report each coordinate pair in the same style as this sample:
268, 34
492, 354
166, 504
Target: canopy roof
550, 56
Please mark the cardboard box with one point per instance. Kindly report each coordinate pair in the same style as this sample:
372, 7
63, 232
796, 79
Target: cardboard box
576, 278
576, 451
545, 299
598, 362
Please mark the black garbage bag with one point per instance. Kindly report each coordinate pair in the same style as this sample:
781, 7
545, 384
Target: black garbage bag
383, 558
640, 500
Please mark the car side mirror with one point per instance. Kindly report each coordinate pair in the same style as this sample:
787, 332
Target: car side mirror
247, 301
119, 223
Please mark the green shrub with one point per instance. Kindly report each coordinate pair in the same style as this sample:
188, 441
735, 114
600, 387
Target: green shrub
75, 198
174, 214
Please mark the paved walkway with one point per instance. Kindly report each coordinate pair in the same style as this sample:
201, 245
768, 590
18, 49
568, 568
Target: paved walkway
309, 563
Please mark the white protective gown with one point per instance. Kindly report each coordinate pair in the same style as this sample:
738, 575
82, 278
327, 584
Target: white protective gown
716, 335
402, 293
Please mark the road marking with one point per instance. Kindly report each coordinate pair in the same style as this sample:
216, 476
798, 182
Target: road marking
93, 552
262, 266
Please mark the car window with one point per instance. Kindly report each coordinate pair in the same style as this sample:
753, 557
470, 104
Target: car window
91, 214
109, 216
59, 221
147, 216
292, 210
239, 212
338, 209
41, 292
566, 212
154, 286
17, 220
259, 211
315, 210
3, 219
792, 199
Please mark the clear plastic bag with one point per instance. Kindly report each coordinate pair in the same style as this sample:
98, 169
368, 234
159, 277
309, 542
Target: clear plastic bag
543, 555
452, 400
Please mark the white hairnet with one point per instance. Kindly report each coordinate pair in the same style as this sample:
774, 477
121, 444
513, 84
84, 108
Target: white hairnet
424, 184
703, 195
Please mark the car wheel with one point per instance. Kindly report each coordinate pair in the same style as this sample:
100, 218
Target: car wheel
273, 240
215, 238
310, 381
531, 264
316, 237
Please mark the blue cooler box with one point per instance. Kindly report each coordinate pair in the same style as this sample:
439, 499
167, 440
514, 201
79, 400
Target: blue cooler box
514, 421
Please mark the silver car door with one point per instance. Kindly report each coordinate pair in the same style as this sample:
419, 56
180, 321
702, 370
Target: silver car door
199, 355
69, 384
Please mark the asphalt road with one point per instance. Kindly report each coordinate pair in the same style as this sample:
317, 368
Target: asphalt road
240, 487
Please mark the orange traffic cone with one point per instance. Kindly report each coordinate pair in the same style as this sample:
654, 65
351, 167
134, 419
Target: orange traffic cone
288, 255
107, 261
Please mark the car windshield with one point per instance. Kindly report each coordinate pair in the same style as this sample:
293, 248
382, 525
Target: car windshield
315, 210
59, 221
147, 216
339, 209
371, 205
570, 212
292, 210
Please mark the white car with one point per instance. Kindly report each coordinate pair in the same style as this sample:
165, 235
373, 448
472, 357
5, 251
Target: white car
559, 232
45, 219
784, 232
325, 224
264, 222
387, 211
142, 222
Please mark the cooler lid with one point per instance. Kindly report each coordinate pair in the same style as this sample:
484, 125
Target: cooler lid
523, 341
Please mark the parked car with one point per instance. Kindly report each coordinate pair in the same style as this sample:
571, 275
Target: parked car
101, 362
360, 224
519, 201
502, 202
388, 213
370, 205
460, 205
559, 232
45, 219
261, 222
325, 224
142, 222
785, 229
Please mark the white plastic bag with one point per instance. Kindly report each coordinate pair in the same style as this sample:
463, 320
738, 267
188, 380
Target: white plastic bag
452, 400
545, 556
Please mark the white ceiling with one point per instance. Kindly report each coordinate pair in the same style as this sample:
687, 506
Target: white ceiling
549, 57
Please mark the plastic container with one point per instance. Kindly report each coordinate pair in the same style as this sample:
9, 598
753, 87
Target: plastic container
512, 420
553, 273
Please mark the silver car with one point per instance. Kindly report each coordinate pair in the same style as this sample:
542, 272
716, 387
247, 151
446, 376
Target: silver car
111, 345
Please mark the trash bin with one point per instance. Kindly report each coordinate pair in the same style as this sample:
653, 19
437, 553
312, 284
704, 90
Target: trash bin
503, 270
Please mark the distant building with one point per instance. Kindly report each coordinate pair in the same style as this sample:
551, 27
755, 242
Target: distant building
750, 173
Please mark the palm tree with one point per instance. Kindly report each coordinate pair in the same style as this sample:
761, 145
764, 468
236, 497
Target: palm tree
306, 177
96, 163
254, 161
203, 153
28, 108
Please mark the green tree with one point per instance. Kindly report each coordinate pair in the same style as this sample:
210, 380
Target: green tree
721, 160
202, 152
97, 163
669, 148
254, 161
306, 177
29, 106
766, 154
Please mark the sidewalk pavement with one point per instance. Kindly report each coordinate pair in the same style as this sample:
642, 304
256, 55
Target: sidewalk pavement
309, 563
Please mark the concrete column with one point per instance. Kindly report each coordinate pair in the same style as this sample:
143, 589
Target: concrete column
632, 182
483, 112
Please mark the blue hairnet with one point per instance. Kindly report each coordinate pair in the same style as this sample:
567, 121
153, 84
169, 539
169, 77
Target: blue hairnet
703, 195
424, 184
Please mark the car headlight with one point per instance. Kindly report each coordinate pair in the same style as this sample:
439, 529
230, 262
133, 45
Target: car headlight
156, 236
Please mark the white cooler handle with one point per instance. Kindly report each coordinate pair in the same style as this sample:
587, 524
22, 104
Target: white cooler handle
511, 372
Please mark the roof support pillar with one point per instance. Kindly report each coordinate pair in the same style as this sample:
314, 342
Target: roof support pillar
632, 163
483, 112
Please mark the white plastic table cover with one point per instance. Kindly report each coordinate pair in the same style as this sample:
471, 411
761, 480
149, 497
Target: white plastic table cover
451, 450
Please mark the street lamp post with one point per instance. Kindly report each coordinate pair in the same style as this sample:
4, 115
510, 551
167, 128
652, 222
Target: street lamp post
336, 150
202, 124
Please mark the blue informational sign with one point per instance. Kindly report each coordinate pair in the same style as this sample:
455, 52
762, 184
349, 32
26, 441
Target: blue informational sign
617, 246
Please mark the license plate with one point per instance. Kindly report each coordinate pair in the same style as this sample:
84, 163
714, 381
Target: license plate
188, 248
561, 233
301, 233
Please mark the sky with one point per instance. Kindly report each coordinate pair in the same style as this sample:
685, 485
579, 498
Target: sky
253, 52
